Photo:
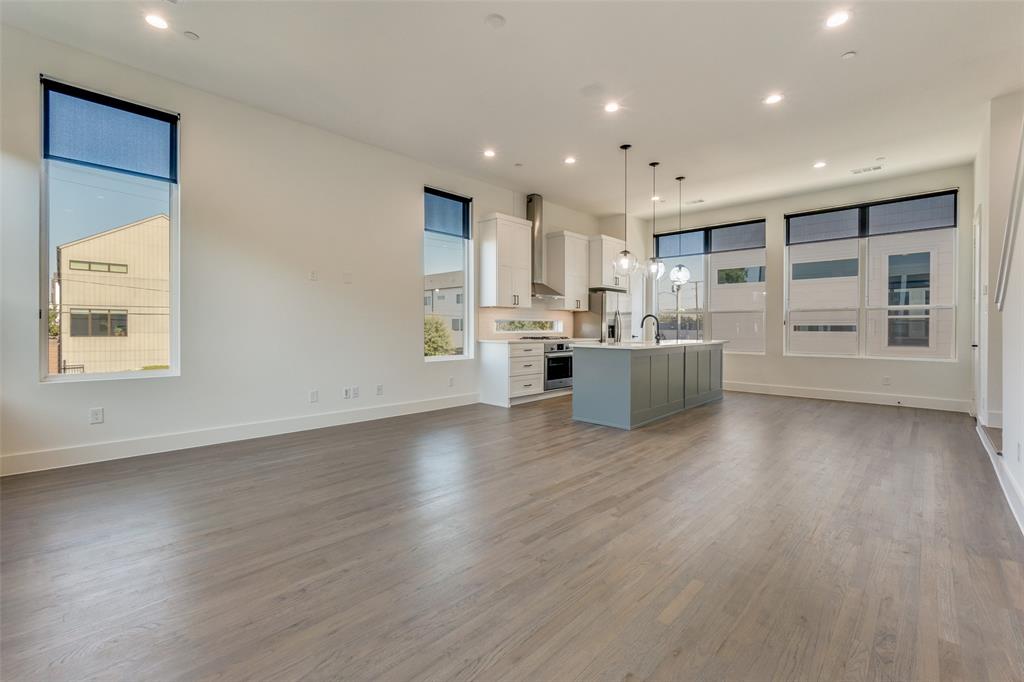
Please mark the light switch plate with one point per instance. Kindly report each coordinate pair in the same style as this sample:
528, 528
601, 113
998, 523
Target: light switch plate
96, 415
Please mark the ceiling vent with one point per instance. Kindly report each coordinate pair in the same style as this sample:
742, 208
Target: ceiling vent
865, 169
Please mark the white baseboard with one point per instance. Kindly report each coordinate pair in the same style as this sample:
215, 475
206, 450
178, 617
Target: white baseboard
1014, 495
992, 418
24, 462
926, 402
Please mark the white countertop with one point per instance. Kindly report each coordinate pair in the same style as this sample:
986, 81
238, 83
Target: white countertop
573, 341
640, 345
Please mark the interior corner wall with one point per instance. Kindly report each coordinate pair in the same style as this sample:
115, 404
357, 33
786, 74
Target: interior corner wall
944, 385
264, 201
993, 171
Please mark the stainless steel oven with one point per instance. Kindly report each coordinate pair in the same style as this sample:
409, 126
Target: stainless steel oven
557, 365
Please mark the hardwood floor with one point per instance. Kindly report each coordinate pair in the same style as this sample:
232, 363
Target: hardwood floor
752, 539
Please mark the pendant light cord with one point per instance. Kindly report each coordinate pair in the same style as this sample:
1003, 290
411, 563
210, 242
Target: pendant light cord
680, 180
625, 193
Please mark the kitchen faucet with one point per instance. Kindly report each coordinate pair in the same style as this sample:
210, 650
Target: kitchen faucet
657, 327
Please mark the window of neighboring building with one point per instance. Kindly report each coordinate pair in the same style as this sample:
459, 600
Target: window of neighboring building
874, 280
97, 267
446, 252
725, 295
111, 174
99, 322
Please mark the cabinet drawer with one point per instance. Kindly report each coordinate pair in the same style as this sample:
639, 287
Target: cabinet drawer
526, 385
528, 365
519, 350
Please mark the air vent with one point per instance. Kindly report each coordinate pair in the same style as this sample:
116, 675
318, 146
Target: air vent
865, 169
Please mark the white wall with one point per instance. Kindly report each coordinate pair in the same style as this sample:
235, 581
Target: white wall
993, 176
933, 384
264, 200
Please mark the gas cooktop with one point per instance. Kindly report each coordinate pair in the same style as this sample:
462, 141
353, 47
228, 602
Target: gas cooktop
544, 338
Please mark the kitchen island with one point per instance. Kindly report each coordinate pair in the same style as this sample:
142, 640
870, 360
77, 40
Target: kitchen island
629, 384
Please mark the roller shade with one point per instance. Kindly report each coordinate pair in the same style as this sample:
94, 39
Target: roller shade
446, 213
100, 131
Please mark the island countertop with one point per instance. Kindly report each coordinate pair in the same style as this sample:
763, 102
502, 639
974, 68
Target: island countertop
642, 345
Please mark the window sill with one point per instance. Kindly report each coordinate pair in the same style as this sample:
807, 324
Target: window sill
110, 376
868, 357
446, 358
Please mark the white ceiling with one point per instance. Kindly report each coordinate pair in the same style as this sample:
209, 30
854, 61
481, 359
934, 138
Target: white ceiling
434, 81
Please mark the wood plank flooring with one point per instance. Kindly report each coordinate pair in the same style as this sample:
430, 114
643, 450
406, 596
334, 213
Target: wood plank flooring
757, 538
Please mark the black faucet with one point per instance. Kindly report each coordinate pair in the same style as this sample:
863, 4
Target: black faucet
657, 326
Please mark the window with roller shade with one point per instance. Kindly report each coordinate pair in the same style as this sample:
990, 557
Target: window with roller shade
446, 251
725, 296
873, 280
110, 191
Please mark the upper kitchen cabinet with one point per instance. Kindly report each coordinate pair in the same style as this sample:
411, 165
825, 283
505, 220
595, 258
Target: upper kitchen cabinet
505, 261
602, 249
568, 267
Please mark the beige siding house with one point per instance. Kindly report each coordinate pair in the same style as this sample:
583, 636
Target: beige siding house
114, 295
444, 297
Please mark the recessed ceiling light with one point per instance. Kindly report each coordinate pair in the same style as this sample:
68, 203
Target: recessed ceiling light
611, 107
773, 98
837, 19
848, 55
191, 35
820, 164
494, 20
655, 198
489, 153
156, 21
570, 160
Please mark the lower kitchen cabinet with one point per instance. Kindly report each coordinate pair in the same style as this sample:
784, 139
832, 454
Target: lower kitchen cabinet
510, 370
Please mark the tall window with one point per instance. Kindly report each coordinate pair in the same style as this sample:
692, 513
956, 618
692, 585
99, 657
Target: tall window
875, 280
725, 295
445, 264
111, 170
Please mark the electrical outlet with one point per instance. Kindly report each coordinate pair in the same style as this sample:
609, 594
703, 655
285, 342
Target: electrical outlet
346, 277
96, 415
313, 276
886, 381
380, 389
355, 391
314, 396
451, 381
346, 393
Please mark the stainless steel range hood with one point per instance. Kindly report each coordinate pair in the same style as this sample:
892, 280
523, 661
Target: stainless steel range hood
535, 214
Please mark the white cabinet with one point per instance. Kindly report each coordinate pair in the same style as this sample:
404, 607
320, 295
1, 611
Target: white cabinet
568, 267
505, 261
511, 372
602, 249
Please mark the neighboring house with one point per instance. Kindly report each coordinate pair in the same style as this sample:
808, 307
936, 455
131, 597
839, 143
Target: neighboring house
443, 296
114, 299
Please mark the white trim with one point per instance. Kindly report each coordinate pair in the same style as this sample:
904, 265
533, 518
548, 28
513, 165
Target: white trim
991, 418
926, 402
1014, 495
24, 462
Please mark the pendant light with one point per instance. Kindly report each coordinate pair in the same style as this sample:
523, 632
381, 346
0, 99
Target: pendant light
624, 262
680, 274
655, 268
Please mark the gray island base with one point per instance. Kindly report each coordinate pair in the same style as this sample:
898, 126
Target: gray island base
629, 384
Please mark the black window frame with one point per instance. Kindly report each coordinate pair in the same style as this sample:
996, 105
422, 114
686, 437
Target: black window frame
706, 240
467, 213
52, 85
863, 228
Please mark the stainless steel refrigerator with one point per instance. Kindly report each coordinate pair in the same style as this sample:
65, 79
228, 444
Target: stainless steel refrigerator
608, 306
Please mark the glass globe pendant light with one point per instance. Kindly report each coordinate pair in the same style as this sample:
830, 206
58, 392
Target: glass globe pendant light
680, 274
625, 262
655, 268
